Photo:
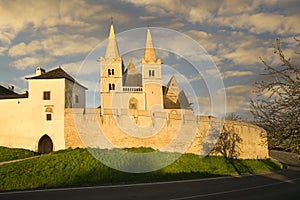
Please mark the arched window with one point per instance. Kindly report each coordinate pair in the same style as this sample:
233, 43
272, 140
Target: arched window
151, 73
111, 86
133, 104
111, 72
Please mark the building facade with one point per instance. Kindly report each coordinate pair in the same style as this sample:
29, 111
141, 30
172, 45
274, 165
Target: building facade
35, 120
127, 89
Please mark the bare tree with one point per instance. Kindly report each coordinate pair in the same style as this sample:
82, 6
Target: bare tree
227, 144
233, 116
277, 106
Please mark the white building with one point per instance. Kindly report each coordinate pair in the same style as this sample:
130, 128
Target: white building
35, 120
126, 89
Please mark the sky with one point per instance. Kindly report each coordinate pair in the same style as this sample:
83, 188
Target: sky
234, 34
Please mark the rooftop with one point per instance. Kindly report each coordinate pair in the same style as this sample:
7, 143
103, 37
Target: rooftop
54, 74
57, 73
9, 94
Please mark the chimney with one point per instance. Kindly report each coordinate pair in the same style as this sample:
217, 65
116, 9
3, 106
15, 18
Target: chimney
39, 71
11, 87
25, 93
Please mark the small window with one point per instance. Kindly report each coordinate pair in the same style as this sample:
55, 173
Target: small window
151, 73
48, 117
111, 72
111, 86
46, 95
76, 99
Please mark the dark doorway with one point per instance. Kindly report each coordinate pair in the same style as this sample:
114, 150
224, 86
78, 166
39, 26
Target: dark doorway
45, 145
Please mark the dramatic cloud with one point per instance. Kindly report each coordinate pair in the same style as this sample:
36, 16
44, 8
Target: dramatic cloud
30, 62
60, 45
249, 14
203, 38
197, 11
238, 97
241, 90
82, 67
22, 49
6, 37
229, 74
17, 15
237, 103
69, 44
2, 49
241, 56
261, 23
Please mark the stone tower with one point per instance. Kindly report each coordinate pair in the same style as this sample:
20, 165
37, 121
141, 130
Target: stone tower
151, 74
111, 72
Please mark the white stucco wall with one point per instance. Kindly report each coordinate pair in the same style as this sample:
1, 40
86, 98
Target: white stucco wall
23, 121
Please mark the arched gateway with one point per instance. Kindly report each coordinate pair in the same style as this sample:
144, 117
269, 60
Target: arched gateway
45, 145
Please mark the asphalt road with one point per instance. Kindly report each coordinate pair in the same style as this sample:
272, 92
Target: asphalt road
283, 184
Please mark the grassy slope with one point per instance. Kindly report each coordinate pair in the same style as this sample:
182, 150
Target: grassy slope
7, 154
78, 168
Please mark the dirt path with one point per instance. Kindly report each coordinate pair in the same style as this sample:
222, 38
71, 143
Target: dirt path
18, 160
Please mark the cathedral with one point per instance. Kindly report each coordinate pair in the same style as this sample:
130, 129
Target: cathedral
127, 89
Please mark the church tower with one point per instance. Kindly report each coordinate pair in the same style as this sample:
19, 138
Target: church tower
111, 72
151, 73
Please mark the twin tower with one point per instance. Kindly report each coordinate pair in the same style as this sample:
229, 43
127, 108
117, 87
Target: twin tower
127, 89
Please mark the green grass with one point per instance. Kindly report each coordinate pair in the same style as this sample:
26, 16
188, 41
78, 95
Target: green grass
78, 167
7, 154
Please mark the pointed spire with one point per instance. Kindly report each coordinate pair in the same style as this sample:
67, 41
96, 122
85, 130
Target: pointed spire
149, 55
131, 66
131, 69
173, 89
172, 84
112, 50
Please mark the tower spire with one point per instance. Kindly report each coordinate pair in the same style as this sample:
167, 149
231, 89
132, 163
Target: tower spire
149, 55
112, 50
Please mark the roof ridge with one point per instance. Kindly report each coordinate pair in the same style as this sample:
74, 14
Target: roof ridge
55, 73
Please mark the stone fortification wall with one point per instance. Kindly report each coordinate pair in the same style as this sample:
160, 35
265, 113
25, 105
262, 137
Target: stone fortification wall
172, 130
72, 138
